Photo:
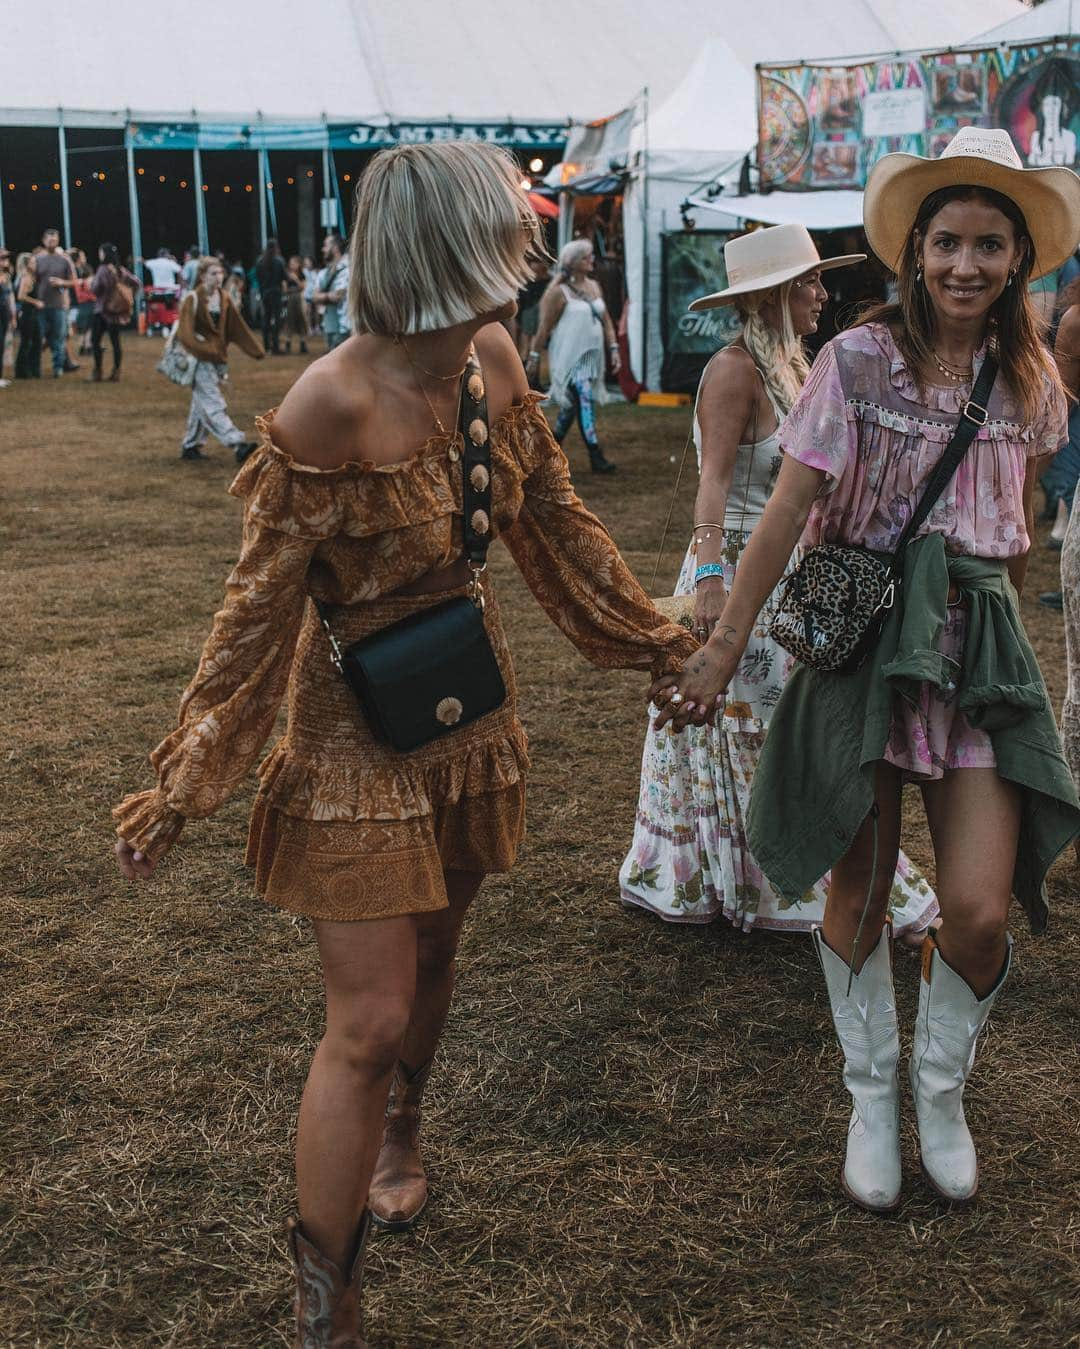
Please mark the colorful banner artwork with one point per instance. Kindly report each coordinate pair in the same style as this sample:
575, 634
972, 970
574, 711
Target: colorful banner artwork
825, 126
338, 136
693, 265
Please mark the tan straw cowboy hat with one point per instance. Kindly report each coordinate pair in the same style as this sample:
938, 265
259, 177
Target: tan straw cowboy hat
768, 258
976, 157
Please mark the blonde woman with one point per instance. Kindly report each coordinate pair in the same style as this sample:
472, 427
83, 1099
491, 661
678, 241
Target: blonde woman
355, 497
575, 321
689, 861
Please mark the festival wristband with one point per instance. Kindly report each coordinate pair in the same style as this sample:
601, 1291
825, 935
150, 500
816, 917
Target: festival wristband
708, 569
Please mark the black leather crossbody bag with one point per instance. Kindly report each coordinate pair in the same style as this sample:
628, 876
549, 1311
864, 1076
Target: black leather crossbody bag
834, 604
434, 672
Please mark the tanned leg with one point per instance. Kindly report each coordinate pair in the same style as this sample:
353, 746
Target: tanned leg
369, 969
974, 818
851, 875
399, 1185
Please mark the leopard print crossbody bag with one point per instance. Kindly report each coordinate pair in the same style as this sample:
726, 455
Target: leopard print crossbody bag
833, 606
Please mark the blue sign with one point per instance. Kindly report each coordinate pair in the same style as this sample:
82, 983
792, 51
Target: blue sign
338, 135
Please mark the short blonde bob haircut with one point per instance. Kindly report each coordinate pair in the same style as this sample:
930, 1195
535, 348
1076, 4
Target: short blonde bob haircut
443, 233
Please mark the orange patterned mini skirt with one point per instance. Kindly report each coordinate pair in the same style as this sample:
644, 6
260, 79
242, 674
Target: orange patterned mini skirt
346, 828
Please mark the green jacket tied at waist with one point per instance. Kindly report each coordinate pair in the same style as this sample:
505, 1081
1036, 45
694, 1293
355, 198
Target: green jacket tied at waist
814, 783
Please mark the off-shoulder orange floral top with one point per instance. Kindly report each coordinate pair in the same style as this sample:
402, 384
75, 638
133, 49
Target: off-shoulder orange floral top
352, 535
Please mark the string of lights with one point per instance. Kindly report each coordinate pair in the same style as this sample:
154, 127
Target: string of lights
99, 177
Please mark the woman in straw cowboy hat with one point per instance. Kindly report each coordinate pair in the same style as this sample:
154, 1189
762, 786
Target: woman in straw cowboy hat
689, 861
951, 696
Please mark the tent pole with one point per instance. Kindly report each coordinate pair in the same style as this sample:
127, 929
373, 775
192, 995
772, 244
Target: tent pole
200, 204
337, 192
263, 177
133, 206
566, 219
326, 174
271, 207
61, 137
644, 376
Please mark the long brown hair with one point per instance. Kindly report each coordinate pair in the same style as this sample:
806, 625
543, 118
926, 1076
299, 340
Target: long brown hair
1018, 332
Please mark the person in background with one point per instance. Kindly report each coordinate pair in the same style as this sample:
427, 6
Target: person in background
270, 275
236, 289
1067, 355
574, 318
190, 270
54, 277
7, 309
528, 315
83, 299
296, 312
29, 307
114, 290
332, 291
209, 322
166, 273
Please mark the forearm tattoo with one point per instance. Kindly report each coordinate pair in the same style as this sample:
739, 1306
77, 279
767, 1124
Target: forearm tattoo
726, 633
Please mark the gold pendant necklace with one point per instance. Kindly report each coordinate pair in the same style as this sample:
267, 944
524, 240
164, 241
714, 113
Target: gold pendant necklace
961, 376
431, 373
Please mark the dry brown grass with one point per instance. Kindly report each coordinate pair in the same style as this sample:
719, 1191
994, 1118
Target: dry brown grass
635, 1130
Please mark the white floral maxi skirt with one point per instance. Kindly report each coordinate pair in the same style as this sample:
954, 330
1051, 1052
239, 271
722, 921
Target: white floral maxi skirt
689, 861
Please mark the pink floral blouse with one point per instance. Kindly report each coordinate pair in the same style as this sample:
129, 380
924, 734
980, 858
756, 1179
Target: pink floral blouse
861, 419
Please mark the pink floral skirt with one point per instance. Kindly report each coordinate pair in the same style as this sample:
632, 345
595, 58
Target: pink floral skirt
933, 737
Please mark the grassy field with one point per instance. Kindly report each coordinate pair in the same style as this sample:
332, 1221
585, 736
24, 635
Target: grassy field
634, 1131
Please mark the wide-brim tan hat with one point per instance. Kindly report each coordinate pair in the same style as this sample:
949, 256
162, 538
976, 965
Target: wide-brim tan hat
975, 157
767, 258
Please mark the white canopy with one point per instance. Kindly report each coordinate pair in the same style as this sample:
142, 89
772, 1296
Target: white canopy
419, 59
1053, 18
703, 129
834, 210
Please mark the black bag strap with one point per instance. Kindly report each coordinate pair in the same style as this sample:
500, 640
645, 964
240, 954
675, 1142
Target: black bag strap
973, 414
475, 490
475, 470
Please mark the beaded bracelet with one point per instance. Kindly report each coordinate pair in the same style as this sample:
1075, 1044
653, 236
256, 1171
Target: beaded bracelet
709, 569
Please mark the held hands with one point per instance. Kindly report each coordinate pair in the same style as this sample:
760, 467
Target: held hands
709, 600
692, 697
134, 865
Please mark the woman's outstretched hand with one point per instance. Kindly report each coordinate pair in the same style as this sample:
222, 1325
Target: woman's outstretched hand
134, 865
692, 697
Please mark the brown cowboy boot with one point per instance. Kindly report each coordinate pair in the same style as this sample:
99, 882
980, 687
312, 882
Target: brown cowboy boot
399, 1186
327, 1305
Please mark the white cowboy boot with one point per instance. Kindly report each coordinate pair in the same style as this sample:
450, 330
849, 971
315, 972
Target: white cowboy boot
947, 1027
865, 1021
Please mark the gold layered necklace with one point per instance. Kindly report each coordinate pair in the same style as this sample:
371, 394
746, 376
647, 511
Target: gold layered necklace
419, 370
958, 376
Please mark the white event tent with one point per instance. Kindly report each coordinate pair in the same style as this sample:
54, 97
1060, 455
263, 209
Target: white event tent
705, 127
490, 65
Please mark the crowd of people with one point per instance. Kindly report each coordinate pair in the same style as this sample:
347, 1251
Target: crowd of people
54, 300
908, 452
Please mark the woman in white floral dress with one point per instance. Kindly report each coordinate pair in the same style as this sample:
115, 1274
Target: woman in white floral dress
689, 861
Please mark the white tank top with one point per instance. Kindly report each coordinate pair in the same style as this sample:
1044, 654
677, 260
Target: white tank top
754, 475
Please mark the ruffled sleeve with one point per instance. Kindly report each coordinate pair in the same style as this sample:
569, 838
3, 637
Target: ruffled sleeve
228, 710
571, 565
818, 430
1051, 431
